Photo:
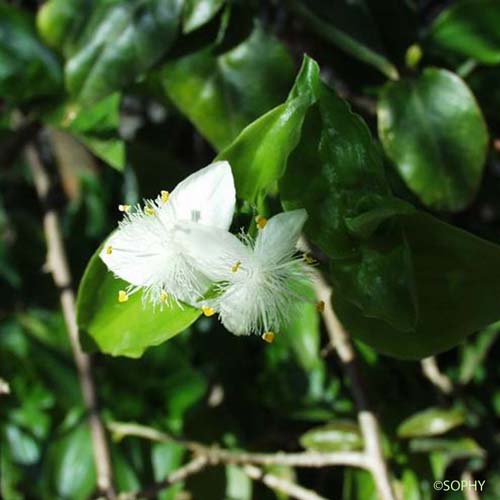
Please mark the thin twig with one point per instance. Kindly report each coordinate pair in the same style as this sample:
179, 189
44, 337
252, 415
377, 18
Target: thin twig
367, 420
58, 264
431, 370
292, 490
194, 466
217, 455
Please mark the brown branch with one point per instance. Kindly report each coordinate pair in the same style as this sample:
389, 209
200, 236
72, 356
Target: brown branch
58, 264
367, 420
292, 490
194, 466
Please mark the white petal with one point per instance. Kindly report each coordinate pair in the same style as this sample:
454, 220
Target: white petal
279, 236
207, 196
139, 251
212, 251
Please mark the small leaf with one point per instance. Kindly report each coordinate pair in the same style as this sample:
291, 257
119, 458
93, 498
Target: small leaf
96, 126
431, 422
129, 328
439, 161
258, 156
341, 435
469, 28
198, 12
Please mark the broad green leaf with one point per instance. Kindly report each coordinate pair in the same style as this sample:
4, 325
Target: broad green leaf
120, 42
334, 436
431, 422
469, 28
433, 130
348, 25
458, 291
258, 156
95, 126
129, 328
221, 95
198, 12
336, 174
28, 69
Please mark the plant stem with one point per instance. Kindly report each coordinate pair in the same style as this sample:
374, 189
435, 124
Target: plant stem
58, 264
368, 422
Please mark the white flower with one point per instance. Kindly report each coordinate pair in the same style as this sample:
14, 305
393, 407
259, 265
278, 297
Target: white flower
144, 252
257, 281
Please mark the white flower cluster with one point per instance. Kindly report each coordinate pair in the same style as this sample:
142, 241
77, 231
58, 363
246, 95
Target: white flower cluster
177, 248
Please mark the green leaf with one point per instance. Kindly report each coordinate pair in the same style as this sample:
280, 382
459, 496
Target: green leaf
95, 126
458, 291
221, 95
443, 452
474, 352
341, 435
198, 12
258, 156
24, 448
433, 130
28, 69
69, 468
348, 25
336, 174
120, 42
431, 422
129, 328
469, 28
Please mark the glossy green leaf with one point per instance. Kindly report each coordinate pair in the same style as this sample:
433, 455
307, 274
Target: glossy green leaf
258, 156
336, 174
23, 447
221, 95
431, 422
348, 25
96, 126
120, 42
433, 130
458, 291
124, 329
28, 69
469, 28
198, 12
341, 435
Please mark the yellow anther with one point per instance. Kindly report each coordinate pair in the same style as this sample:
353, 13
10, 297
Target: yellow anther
260, 221
109, 250
164, 196
268, 337
149, 211
163, 296
124, 208
208, 311
309, 258
320, 306
236, 267
122, 296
